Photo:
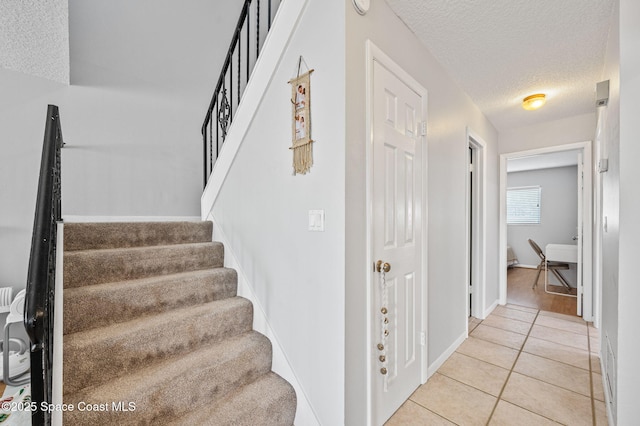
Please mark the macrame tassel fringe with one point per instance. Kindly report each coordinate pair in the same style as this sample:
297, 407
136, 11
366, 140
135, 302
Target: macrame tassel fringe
302, 158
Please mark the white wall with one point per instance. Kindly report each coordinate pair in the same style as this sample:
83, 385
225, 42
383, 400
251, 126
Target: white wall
578, 128
621, 207
628, 410
558, 211
142, 75
21, 134
611, 210
297, 276
450, 111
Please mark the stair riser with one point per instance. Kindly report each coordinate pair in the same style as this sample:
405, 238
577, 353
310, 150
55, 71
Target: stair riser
102, 305
100, 355
269, 401
96, 236
167, 396
102, 266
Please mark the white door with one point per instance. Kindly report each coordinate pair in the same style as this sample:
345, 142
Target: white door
397, 240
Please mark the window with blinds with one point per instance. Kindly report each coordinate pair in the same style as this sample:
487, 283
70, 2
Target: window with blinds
523, 205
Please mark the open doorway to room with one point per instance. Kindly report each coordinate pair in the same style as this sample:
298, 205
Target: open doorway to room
545, 229
476, 226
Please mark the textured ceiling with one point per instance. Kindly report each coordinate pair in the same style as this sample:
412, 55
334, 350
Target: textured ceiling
34, 38
500, 51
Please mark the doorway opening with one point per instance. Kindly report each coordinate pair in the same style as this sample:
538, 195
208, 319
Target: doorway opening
562, 228
476, 226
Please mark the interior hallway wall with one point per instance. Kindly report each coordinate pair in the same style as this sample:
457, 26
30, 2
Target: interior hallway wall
297, 276
628, 374
579, 128
131, 118
450, 111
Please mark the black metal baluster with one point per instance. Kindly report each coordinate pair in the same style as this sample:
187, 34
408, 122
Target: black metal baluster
210, 148
248, 48
217, 131
204, 157
257, 28
239, 68
230, 97
221, 107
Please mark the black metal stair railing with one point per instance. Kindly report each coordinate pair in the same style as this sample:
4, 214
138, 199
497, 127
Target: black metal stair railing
248, 37
39, 300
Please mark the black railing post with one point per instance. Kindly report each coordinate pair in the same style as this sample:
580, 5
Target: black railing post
40, 292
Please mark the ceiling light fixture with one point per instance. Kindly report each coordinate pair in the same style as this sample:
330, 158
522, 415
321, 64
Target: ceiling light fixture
534, 101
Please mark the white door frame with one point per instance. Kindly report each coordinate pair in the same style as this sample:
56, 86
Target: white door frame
587, 220
478, 237
374, 53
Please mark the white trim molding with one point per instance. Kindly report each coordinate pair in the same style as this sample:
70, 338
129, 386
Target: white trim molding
102, 219
446, 354
478, 270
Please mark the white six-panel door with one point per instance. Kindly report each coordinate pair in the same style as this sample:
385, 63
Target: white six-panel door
397, 239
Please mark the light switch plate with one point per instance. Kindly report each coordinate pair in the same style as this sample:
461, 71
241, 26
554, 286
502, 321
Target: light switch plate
316, 220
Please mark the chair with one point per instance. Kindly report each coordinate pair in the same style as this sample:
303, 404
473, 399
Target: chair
552, 266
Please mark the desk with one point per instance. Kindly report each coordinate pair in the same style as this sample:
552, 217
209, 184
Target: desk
567, 253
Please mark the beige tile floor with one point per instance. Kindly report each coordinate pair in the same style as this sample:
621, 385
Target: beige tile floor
520, 366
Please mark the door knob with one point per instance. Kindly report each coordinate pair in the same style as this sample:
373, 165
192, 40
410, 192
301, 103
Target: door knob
382, 266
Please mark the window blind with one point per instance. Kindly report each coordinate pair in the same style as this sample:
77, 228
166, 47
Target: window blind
523, 205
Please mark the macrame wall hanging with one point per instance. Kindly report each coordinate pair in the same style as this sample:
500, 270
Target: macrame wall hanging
302, 145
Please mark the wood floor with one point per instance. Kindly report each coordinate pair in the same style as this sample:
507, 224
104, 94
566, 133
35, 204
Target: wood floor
519, 292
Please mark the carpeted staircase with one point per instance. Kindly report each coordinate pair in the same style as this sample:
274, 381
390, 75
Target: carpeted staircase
155, 334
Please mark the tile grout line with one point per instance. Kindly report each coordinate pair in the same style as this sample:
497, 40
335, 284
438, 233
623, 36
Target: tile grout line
511, 370
431, 411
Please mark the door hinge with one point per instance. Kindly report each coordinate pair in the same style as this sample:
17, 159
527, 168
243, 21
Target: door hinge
423, 128
423, 338
471, 168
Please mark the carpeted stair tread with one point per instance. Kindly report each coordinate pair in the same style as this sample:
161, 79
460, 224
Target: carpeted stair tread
93, 236
269, 401
165, 390
94, 356
152, 318
88, 267
101, 305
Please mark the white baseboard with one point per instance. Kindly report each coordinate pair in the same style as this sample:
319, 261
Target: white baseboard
305, 414
445, 355
520, 265
490, 309
607, 398
102, 219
